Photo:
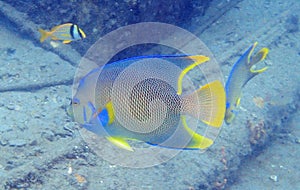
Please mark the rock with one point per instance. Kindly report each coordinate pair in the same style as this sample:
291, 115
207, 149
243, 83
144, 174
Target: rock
3, 142
292, 24
17, 142
5, 128
49, 135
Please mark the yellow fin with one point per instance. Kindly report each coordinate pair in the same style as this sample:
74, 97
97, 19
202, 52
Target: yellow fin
238, 101
44, 35
67, 41
251, 51
119, 142
197, 141
82, 33
211, 104
111, 113
198, 60
261, 55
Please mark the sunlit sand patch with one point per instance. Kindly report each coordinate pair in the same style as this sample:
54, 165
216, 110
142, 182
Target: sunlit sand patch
54, 44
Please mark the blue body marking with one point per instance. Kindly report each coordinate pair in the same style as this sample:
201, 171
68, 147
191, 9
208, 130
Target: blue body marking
171, 147
104, 117
234, 68
84, 115
81, 81
92, 107
75, 101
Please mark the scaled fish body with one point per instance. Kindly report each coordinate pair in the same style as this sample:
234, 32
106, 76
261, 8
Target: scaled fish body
66, 32
141, 99
240, 74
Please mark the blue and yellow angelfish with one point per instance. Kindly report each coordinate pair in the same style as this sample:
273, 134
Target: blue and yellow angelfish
240, 74
153, 110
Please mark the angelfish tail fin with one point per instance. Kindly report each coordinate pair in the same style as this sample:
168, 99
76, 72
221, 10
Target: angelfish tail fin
254, 59
258, 57
44, 35
210, 104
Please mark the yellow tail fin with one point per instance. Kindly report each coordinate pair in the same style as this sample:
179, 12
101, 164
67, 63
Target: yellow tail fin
260, 56
44, 35
210, 104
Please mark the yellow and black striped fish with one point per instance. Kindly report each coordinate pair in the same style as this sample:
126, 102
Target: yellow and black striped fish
66, 32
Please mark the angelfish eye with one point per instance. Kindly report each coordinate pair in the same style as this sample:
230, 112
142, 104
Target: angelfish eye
74, 101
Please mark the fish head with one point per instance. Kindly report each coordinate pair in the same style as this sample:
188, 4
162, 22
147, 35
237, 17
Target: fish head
83, 105
231, 110
229, 114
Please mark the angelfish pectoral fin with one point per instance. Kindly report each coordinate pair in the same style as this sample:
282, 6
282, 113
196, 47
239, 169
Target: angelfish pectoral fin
120, 142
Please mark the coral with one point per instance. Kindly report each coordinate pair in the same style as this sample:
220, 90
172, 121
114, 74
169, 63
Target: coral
257, 132
80, 178
223, 158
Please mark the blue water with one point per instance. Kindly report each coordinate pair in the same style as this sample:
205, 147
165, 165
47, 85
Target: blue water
43, 148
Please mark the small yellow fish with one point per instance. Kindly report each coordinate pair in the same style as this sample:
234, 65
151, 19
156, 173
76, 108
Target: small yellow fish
66, 32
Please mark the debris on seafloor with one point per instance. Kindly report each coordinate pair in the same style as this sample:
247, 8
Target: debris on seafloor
257, 132
220, 184
70, 170
80, 178
223, 158
259, 101
54, 44
273, 178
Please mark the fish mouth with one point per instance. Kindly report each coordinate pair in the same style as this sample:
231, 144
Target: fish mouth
88, 117
70, 112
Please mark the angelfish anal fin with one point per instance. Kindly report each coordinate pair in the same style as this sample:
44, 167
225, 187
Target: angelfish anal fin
120, 142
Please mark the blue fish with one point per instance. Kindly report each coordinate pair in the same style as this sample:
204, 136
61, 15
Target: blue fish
240, 74
142, 99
